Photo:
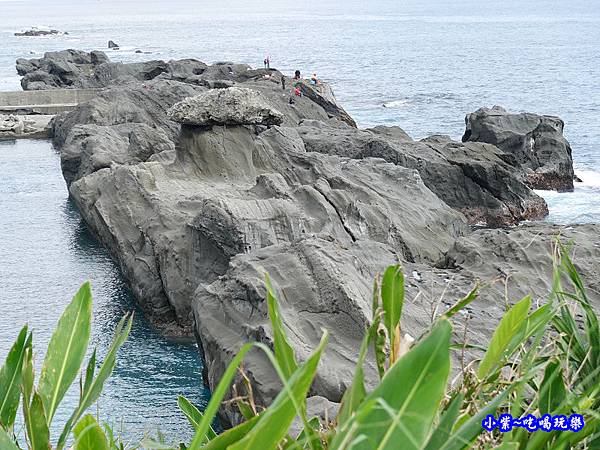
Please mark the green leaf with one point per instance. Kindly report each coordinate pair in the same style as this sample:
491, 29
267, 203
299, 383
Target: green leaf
93, 389
219, 393
508, 446
275, 421
392, 298
89, 435
37, 425
284, 354
89, 373
503, 335
462, 302
151, 444
231, 436
66, 350
552, 391
447, 421
10, 380
193, 415
6, 443
466, 431
356, 393
403, 406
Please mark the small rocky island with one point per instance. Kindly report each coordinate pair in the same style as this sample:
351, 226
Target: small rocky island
200, 178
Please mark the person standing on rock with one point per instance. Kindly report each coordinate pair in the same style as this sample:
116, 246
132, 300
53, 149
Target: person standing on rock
283, 82
265, 62
268, 63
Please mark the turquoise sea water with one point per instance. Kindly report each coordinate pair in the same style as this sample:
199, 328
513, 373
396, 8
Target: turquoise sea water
421, 65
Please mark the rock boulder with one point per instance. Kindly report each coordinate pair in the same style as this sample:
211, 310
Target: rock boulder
533, 142
231, 106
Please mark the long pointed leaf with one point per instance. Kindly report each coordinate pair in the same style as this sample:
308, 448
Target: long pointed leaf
406, 399
6, 443
10, 380
66, 350
94, 388
552, 391
193, 415
447, 421
392, 298
36, 424
284, 353
508, 327
89, 435
276, 420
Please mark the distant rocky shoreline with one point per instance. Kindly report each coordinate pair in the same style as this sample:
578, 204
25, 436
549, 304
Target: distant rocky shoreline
199, 178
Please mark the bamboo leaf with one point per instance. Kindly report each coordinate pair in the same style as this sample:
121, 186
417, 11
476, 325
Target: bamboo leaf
89, 435
508, 327
275, 421
406, 400
282, 348
66, 350
392, 298
10, 380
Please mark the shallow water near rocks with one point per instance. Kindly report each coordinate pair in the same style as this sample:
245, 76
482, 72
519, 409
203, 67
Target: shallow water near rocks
46, 253
418, 64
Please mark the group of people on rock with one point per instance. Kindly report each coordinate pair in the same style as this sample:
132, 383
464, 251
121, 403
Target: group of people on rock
296, 81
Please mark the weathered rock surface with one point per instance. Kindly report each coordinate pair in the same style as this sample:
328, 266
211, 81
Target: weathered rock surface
231, 106
196, 213
471, 177
535, 143
78, 69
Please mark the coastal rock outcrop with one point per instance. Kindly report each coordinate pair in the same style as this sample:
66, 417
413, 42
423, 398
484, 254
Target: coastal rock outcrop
195, 210
533, 142
231, 106
471, 177
39, 32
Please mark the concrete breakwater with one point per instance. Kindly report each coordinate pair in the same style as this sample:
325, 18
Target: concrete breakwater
46, 102
27, 114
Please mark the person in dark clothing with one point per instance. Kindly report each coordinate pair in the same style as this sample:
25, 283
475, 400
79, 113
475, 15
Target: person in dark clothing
283, 82
297, 75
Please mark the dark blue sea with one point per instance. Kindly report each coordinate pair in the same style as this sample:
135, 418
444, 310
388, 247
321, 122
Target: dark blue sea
418, 64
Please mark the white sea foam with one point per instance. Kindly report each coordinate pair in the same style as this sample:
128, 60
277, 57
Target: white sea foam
400, 103
589, 178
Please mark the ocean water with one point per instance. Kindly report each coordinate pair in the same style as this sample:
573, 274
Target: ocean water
46, 253
418, 64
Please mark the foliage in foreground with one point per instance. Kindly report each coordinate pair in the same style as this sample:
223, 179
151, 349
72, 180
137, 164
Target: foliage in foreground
537, 361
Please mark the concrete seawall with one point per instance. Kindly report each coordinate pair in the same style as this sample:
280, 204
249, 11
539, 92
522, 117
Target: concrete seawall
27, 114
52, 101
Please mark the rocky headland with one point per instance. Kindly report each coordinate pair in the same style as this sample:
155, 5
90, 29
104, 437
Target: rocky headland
200, 178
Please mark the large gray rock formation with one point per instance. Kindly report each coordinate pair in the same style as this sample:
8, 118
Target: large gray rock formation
535, 143
231, 106
471, 177
195, 216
